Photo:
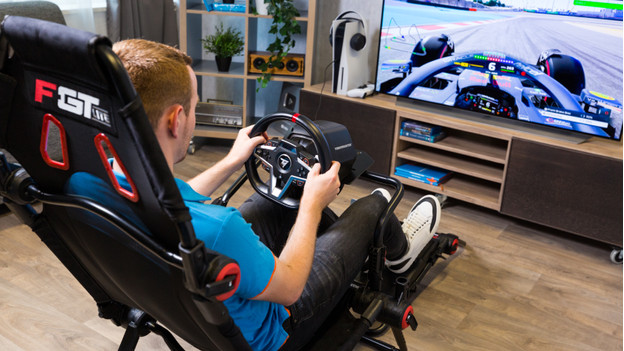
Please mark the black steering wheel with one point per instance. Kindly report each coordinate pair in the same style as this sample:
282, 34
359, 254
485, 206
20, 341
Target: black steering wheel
288, 159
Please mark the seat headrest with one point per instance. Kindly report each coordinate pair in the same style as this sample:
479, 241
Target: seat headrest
56, 47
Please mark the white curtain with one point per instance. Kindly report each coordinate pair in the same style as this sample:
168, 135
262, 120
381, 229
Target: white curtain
148, 19
78, 13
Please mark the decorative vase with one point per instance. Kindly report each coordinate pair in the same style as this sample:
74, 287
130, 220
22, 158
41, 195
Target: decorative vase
261, 7
223, 63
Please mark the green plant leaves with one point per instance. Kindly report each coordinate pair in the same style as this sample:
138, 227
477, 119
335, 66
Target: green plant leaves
284, 25
225, 42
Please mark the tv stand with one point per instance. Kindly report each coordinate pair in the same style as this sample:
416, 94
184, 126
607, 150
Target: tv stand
574, 186
513, 125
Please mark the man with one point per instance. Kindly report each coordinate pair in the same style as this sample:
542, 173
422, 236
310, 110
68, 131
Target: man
295, 264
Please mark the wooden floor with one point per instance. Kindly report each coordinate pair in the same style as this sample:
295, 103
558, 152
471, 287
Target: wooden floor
514, 286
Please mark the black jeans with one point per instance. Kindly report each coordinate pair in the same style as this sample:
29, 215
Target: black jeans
341, 249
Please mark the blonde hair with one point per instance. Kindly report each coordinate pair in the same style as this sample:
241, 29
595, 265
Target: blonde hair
159, 75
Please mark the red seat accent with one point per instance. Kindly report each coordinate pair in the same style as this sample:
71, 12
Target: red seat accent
43, 145
100, 140
408, 310
229, 269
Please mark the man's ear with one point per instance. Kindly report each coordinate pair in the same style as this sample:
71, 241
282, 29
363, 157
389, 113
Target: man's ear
173, 119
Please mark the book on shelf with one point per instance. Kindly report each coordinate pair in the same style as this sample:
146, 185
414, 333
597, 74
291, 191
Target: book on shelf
420, 128
423, 173
219, 6
430, 138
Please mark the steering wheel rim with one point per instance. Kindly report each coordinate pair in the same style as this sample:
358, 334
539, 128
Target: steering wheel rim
271, 191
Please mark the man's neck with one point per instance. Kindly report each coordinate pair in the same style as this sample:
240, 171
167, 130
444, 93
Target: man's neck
116, 167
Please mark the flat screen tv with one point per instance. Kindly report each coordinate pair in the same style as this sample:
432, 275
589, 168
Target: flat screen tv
559, 67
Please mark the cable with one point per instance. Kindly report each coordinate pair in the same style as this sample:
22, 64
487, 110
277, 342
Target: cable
322, 88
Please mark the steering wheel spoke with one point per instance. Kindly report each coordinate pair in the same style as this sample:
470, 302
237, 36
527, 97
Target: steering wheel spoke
275, 190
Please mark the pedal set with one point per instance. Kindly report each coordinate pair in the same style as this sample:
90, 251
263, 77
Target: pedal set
390, 303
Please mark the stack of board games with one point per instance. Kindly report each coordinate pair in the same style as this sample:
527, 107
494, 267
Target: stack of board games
422, 131
423, 173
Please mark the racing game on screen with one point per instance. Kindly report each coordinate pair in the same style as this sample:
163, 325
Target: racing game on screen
559, 66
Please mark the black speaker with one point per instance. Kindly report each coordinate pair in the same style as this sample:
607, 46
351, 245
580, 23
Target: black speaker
258, 62
292, 66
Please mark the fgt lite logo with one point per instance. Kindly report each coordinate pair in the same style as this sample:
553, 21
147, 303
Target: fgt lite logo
72, 101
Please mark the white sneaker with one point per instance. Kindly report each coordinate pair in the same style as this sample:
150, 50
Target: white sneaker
419, 227
383, 192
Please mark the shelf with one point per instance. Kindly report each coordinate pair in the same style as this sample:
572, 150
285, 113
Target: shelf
463, 188
303, 16
477, 159
278, 78
465, 146
209, 68
216, 13
215, 132
453, 163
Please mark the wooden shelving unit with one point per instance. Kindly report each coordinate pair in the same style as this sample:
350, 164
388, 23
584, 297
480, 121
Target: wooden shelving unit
450, 162
476, 158
193, 16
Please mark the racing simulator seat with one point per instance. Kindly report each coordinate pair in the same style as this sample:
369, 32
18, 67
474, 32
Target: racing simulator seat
143, 266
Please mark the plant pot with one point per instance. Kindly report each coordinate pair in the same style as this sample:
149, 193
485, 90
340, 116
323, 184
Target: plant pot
262, 8
223, 63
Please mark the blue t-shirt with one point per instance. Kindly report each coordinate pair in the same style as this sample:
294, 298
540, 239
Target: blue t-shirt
223, 230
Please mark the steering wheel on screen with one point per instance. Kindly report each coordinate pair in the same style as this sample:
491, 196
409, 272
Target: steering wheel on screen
288, 159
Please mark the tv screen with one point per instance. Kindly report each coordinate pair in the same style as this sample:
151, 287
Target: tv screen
559, 66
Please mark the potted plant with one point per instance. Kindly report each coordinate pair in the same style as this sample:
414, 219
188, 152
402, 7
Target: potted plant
225, 44
284, 27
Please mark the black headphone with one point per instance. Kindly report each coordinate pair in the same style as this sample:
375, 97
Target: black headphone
358, 40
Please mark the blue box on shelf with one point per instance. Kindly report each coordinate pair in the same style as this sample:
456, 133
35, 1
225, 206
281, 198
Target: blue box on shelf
420, 128
430, 138
421, 173
219, 6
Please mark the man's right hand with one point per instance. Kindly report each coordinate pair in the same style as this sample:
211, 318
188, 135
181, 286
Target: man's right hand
294, 263
321, 189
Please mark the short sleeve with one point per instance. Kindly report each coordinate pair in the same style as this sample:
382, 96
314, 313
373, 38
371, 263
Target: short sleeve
229, 234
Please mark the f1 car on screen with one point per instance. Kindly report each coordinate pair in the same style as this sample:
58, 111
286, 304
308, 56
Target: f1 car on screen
551, 92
